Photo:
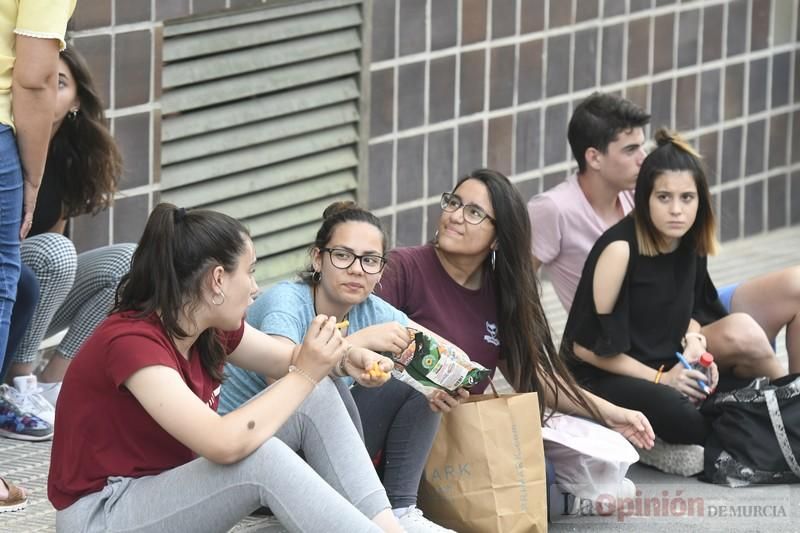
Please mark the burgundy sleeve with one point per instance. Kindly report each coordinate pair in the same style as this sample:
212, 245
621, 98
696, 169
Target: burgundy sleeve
394, 284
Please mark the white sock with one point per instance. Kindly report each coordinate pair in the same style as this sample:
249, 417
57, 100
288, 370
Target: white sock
400, 511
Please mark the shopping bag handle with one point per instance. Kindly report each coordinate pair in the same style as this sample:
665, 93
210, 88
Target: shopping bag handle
780, 431
494, 391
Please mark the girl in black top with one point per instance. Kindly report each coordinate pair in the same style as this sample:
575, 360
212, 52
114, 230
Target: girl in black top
645, 294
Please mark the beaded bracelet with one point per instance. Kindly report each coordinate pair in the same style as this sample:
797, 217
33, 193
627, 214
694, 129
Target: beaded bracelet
306, 375
658, 374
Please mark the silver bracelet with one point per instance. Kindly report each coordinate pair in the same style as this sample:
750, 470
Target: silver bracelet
306, 375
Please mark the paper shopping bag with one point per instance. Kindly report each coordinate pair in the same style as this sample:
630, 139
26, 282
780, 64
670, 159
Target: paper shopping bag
486, 471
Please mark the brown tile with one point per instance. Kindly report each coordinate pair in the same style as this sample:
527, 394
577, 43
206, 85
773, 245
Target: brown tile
685, 102
688, 31
442, 89
737, 27
712, 32
778, 133
584, 70
470, 147
754, 154
410, 95
380, 174
381, 102
383, 26
169, 9
531, 15
473, 21
411, 38
204, 7
759, 25
555, 142
776, 201
663, 49
613, 53
707, 145
444, 24
551, 180
241, 4
638, 95
386, 223
126, 12
528, 189
758, 85
529, 86
638, 47
472, 82
158, 61
794, 205
781, 84
133, 135
90, 231
729, 215
586, 10
155, 171
499, 141
753, 208
796, 137
96, 49
734, 91
410, 168
501, 77
130, 216
560, 13
797, 78
440, 162
660, 3
731, 150
661, 104
434, 213
640, 5
710, 83
504, 18
558, 65
132, 68
91, 14
528, 140
409, 227
613, 8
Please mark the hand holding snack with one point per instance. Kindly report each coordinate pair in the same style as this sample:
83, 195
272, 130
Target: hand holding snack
368, 368
322, 347
389, 338
442, 402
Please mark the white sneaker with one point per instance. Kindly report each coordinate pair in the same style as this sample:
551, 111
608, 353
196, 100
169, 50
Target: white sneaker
50, 391
25, 394
413, 522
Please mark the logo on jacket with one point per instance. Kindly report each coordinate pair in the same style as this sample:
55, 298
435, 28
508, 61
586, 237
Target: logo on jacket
491, 334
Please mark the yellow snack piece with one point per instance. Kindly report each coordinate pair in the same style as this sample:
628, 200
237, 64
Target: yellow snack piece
376, 371
343, 324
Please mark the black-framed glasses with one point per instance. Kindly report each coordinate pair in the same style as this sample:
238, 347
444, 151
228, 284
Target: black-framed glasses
474, 214
342, 259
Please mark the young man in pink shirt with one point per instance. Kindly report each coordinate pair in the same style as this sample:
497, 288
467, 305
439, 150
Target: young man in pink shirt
606, 136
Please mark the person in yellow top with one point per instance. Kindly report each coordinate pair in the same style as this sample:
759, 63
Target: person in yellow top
31, 36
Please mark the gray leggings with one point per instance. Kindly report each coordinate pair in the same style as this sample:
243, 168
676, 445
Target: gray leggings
334, 489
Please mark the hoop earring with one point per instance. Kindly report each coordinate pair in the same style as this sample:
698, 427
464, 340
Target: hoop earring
213, 301
494, 254
316, 277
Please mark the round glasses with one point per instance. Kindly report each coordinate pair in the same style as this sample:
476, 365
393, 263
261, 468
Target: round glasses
343, 259
474, 214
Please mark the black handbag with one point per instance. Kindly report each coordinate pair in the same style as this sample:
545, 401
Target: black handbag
755, 437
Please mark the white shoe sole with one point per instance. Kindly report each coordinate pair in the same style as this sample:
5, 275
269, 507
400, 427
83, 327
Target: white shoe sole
18, 436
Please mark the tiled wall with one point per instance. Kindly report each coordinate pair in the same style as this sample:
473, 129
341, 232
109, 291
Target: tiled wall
120, 39
458, 84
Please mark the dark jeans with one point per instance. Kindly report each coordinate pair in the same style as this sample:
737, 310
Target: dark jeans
27, 298
399, 428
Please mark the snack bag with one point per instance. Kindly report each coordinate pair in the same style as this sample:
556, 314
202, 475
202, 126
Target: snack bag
429, 365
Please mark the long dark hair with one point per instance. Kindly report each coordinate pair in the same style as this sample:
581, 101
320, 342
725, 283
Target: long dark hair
82, 150
177, 249
335, 214
525, 338
673, 154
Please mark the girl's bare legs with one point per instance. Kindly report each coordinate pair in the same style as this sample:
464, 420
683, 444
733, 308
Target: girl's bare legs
740, 346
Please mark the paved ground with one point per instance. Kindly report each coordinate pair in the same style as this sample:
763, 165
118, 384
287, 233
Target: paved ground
709, 508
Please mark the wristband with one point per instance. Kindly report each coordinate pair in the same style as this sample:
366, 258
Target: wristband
301, 372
